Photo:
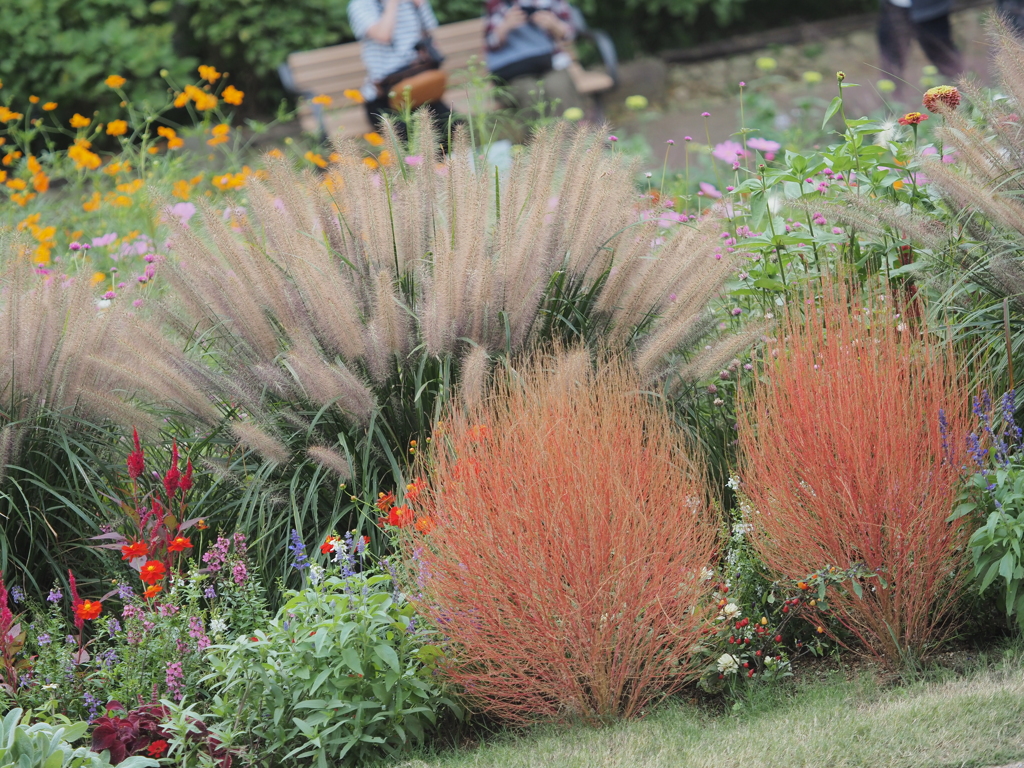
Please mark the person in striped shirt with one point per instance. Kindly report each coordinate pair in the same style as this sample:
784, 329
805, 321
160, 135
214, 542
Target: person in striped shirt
389, 31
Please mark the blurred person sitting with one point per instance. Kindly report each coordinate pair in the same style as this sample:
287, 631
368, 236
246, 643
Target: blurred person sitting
402, 65
900, 21
526, 42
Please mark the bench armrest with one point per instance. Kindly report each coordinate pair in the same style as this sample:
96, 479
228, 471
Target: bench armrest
601, 39
285, 73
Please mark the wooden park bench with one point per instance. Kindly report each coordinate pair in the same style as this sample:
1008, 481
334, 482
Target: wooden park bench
333, 70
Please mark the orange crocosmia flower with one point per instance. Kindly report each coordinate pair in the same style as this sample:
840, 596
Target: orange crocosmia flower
179, 544
115, 81
425, 524
135, 549
323, 100
208, 73
87, 610
49, 106
152, 572
374, 139
353, 95
117, 128
80, 121
328, 546
152, 591
232, 95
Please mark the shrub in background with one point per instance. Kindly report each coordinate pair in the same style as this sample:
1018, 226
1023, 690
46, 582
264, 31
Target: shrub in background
851, 447
569, 531
41, 745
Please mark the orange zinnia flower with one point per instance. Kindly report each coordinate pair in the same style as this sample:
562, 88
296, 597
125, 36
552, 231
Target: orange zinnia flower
87, 610
133, 550
152, 591
180, 544
152, 572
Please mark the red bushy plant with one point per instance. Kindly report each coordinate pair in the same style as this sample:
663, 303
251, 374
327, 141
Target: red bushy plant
850, 450
570, 530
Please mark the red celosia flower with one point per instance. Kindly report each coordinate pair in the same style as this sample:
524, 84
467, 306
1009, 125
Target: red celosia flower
385, 500
152, 572
87, 610
328, 546
185, 483
425, 524
134, 550
179, 544
136, 459
173, 476
157, 748
940, 97
912, 118
152, 591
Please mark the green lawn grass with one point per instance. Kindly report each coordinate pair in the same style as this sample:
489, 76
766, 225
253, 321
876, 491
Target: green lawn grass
964, 721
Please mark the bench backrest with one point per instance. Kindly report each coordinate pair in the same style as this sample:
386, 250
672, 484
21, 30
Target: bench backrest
331, 71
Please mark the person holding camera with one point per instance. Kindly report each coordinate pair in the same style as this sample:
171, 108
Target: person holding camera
402, 65
525, 43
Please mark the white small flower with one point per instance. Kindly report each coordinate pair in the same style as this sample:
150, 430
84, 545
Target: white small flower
706, 574
218, 627
728, 664
734, 482
50, 687
316, 573
102, 303
732, 611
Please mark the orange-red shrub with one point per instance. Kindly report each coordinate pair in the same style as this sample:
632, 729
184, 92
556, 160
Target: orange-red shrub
565, 563
846, 460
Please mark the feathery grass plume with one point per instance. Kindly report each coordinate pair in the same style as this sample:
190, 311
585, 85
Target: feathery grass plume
559, 545
721, 353
870, 215
473, 380
851, 446
259, 440
332, 460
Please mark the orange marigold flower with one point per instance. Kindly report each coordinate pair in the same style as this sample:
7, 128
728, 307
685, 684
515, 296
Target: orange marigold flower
115, 81
7, 115
221, 130
179, 544
152, 572
181, 100
49, 106
369, 162
166, 132
208, 73
425, 524
92, 204
33, 164
941, 97
374, 139
87, 610
134, 550
323, 100
353, 95
176, 143
18, 184
33, 99
152, 591
117, 128
80, 121
316, 159
912, 118
328, 546
232, 95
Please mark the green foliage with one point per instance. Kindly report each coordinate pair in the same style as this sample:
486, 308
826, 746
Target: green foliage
48, 746
343, 671
61, 50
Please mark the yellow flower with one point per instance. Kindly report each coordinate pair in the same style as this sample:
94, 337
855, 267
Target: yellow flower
384, 158
92, 204
131, 187
209, 73
83, 158
275, 153
3, 176
205, 101
79, 121
175, 143
7, 115
115, 81
22, 198
10, 157
117, 128
49, 106
812, 78
369, 162
315, 159
181, 100
232, 95
374, 139
573, 114
18, 184
766, 63
167, 133
221, 130
97, 278
323, 100
33, 99
182, 189
636, 102
122, 201
353, 95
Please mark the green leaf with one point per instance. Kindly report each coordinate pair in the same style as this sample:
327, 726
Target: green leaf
352, 661
831, 111
388, 656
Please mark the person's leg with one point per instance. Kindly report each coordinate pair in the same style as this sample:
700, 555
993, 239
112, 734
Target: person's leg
936, 39
894, 35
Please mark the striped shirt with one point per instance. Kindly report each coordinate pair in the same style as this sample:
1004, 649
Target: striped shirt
381, 59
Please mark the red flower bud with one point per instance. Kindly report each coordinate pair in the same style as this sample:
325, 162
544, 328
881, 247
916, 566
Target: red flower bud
778, 638
785, 609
